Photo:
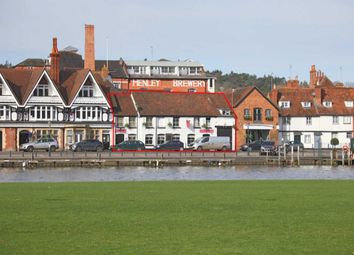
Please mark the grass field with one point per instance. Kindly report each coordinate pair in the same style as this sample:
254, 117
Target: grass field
217, 217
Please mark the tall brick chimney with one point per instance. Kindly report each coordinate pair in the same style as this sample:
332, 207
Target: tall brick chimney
90, 47
313, 79
55, 62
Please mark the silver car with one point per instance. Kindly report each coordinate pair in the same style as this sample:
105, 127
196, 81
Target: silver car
48, 144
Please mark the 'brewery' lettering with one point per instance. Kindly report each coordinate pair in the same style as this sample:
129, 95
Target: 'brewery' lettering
146, 83
188, 83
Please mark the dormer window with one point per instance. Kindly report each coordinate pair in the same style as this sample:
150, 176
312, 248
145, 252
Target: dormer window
327, 104
284, 104
42, 90
87, 89
306, 104
348, 104
225, 112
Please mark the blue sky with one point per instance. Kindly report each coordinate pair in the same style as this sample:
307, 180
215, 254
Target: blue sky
258, 37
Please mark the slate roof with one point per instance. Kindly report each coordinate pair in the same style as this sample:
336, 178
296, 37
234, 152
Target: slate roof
37, 62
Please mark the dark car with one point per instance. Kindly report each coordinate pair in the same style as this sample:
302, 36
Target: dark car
130, 145
295, 145
268, 147
252, 146
87, 145
170, 145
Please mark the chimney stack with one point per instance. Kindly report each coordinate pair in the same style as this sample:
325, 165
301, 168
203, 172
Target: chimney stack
89, 47
55, 62
313, 79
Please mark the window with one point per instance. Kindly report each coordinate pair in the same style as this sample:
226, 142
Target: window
132, 122
307, 138
287, 120
192, 70
225, 112
207, 122
348, 103
349, 135
88, 113
117, 84
190, 138
309, 121
167, 69
160, 138
148, 122
347, 120
257, 114
196, 122
175, 123
175, 137
120, 122
43, 113
334, 135
335, 120
148, 139
69, 136
5, 112
247, 114
306, 104
284, 104
268, 113
327, 104
41, 90
131, 137
87, 89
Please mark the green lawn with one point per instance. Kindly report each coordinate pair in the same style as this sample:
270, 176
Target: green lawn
216, 217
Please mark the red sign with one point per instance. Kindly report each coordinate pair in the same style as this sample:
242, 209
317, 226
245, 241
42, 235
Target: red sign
121, 130
206, 131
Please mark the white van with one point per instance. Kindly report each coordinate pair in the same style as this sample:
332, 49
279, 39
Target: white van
211, 143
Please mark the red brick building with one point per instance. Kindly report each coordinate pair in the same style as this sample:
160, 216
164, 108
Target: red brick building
257, 116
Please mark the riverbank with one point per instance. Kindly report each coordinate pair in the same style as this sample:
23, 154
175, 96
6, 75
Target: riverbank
213, 217
167, 158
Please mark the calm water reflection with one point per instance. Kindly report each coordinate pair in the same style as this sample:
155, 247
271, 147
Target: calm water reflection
173, 173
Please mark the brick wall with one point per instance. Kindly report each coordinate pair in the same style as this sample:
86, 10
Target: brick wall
255, 100
9, 139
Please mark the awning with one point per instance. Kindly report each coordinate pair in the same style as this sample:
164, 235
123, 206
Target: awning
257, 127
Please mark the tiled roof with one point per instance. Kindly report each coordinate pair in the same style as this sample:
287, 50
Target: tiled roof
21, 82
159, 103
240, 94
336, 95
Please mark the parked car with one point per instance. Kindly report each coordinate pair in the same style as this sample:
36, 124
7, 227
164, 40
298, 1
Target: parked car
295, 145
268, 147
48, 144
261, 146
87, 145
130, 145
211, 143
252, 146
170, 145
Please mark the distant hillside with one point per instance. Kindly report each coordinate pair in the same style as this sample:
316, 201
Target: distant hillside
234, 80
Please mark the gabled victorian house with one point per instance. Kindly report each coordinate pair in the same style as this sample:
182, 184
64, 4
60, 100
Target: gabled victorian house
70, 105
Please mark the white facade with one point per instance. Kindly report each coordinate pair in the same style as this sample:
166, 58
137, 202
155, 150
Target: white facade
316, 132
164, 128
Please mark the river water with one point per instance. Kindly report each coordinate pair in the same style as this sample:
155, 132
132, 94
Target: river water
71, 174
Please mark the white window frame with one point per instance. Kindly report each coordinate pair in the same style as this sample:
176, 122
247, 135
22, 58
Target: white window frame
335, 120
149, 139
327, 104
347, 120
308, 121
349, 104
